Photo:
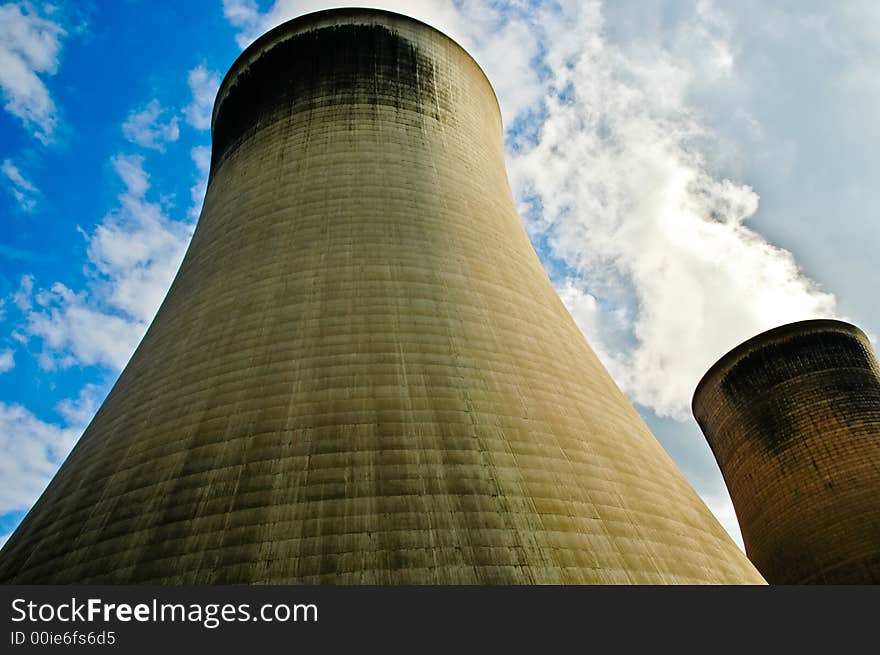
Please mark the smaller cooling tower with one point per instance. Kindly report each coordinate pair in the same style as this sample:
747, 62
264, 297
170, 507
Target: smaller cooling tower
793, 417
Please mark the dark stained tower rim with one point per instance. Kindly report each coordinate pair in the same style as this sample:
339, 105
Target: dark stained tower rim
774, 334
276, 35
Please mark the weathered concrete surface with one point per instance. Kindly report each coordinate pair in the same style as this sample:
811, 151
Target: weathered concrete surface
361, 373
793, 417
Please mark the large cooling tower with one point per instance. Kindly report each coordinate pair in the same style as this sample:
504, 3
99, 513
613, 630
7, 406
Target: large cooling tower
793, 417
361, 373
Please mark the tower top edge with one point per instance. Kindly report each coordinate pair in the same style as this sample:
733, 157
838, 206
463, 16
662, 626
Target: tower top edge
337, 16
781, 332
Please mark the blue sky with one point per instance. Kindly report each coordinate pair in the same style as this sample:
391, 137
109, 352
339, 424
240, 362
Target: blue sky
690, 172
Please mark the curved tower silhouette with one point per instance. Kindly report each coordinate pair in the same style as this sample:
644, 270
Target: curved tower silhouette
361, 373
793, 417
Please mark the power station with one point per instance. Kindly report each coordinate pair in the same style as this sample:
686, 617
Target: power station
793, 417
361, 373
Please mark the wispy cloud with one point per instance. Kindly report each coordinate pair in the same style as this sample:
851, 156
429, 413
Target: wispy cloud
30, 45
22, 296
201, 156
203, 85
648, 230
244, 15
75, 330
32, 449
7, 360
133, 255
146, 128
22, 189
79, 411
721, 506
30, 452
137, 247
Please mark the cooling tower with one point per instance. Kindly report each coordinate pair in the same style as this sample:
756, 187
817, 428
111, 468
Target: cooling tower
793, 417
361, 373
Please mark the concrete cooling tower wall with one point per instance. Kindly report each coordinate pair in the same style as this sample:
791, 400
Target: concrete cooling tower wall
361, 373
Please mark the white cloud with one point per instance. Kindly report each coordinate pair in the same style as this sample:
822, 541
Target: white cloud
130, 169
22, 189
721, 506
12, 173
31, 449
30, 452
133, 254
647, 215
137, 247
243, 14
22, 297
201, 156
74, 331
601, 326
7, 360
29, 48
145, 127
203, 85
79, 411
